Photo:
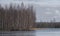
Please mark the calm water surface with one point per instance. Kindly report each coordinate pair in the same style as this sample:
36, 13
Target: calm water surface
41, 32
48, 32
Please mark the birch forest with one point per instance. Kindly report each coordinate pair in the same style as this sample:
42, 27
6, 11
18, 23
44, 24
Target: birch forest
16, 17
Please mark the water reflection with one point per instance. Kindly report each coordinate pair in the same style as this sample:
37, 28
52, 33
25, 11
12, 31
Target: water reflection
18, 33
41, 32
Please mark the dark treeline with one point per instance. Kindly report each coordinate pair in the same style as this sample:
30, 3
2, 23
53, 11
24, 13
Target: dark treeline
47, 25
16, 17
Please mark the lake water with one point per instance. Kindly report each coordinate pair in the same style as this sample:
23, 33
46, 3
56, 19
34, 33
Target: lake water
41, 32
48, 32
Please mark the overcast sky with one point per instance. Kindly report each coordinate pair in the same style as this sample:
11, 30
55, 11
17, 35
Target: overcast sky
46, 10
